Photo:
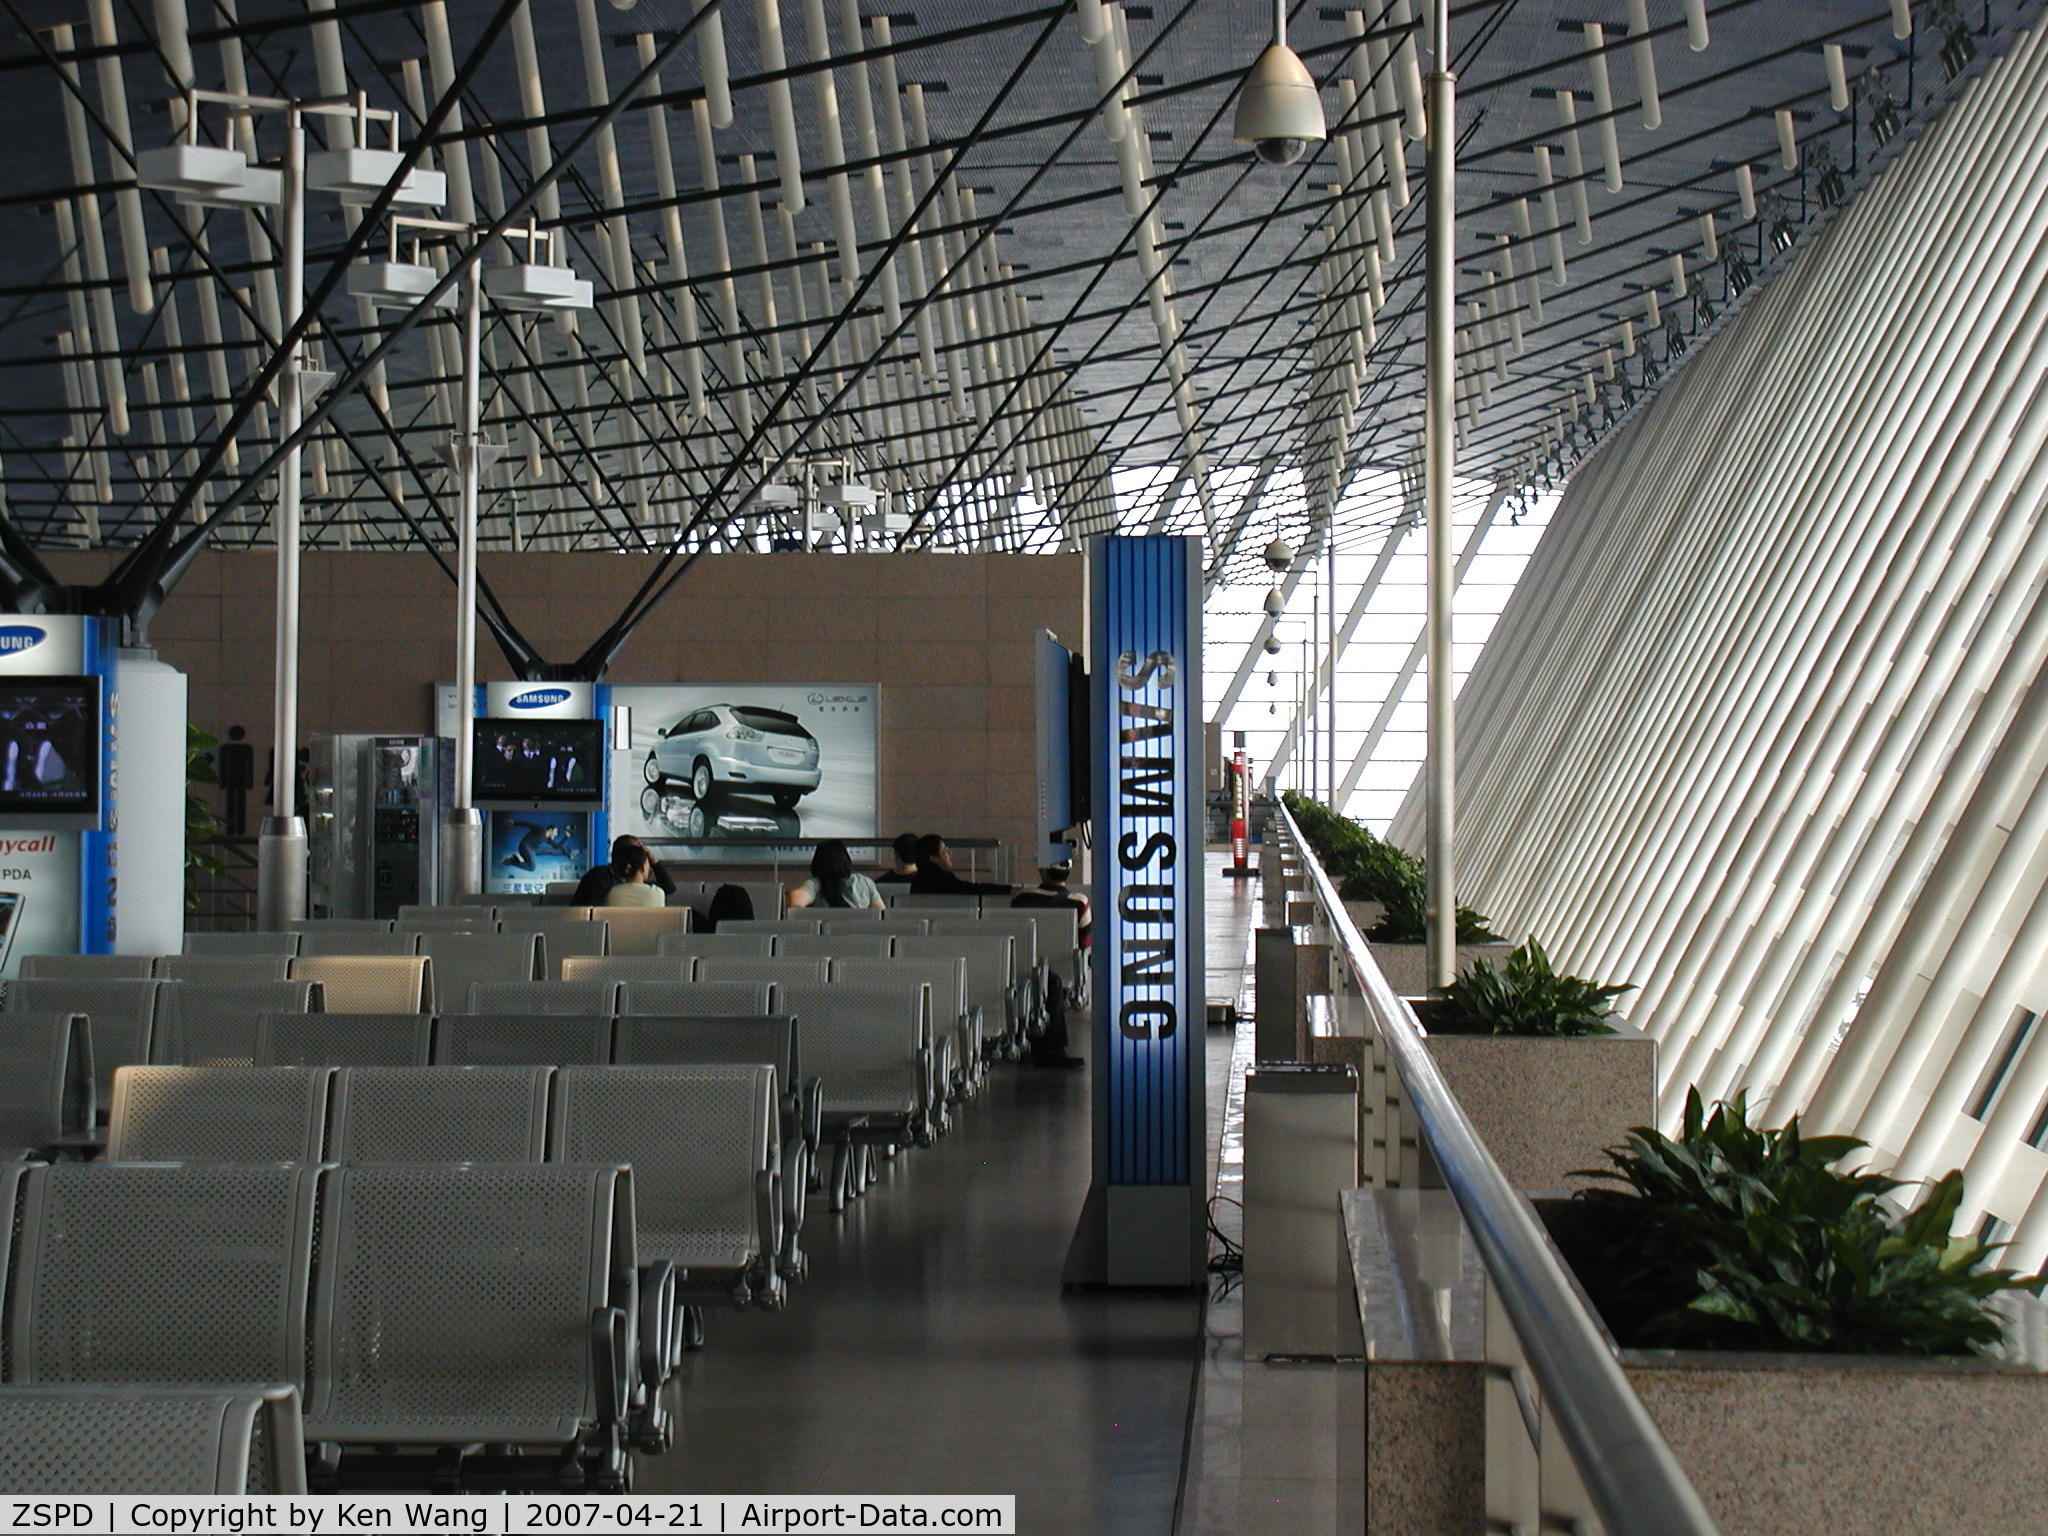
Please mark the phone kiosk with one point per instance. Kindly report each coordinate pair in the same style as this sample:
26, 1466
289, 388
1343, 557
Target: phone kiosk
538, 776
57, 786
373, 807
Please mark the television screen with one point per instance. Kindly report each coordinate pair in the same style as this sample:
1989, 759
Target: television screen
532, 762
49, 750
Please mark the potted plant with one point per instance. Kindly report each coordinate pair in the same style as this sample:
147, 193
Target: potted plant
1821, 1355
1385, 890
1548, 1072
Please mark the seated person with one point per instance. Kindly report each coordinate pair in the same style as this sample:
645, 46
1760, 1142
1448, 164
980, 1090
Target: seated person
935, 875
1051, 891
834, 882
593, 887
632, 888
905, 850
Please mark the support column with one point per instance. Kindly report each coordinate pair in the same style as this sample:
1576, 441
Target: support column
1440, 460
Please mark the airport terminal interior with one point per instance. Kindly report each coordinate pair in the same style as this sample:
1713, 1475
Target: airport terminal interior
1199, 768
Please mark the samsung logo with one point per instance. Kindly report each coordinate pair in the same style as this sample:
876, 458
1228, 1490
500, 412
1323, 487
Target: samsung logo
536, 698
15, 638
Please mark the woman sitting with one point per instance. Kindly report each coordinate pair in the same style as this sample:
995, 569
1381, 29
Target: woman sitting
833, 882
633, 866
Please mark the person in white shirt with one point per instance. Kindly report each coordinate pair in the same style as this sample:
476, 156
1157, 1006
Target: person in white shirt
633, 889
834, 883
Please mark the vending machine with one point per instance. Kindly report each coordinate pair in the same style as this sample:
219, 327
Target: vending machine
375, 805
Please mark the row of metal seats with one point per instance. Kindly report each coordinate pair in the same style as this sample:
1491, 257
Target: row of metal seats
704, 1138
448, 1307
119, 1437
459, 959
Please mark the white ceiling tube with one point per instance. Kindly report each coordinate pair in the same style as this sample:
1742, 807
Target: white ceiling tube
127, 199
104, 337
683, 301
781, 110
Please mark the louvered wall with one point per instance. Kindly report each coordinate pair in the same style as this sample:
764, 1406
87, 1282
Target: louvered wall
1764, 729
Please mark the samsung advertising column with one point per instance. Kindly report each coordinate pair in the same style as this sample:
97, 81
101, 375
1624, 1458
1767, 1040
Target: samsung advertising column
1144, 1222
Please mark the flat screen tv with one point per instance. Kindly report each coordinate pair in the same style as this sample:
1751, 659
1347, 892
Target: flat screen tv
50, 738
539, 762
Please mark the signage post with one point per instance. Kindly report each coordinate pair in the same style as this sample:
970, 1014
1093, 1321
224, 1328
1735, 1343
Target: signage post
1240, 810
1145, 1223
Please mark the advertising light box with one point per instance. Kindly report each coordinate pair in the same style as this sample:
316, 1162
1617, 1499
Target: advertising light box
743, 761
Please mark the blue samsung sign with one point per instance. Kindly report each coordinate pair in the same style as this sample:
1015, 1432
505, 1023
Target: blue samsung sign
15, 638
1144, 1222
539, 698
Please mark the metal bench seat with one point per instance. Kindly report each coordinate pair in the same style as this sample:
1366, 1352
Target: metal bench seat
121, 1017
704, 1145
696, 945
213, 1023
870, 1045
219, 1115
221, 967
702, 997
106, 1438
85, 967
48, 1092
647, 967
522, 1040
344, 1040
565, 997
462, 960
440, 1115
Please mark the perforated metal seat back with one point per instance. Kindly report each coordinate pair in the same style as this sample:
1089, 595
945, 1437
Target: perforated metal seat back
769, 925
696, 1136
700, 997
344, 1040
241, 943
213, 1023
626, 968
441, 1114
776, 970
636, 930
47, 1088
162, 1272
522, 1040
560, 939
862, 1041
947, 978
586, 998
359, 943
461, 960
454, 1303
69, 1440
937, 902
888, 923
987, 957
370, 983
1023, 932
340, 925
219, 1115
757, 945
648, 1040
121, 1017
210, 968
832, 945
86, 967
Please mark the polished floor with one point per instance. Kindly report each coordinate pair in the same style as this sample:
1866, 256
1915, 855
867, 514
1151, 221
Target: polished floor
932, 1350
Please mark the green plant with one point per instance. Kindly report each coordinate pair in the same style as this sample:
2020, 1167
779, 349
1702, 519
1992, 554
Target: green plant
1365, 868
200, 823
1733, 1237
1526, 997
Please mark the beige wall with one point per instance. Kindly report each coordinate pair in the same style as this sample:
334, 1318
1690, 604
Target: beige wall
946, 637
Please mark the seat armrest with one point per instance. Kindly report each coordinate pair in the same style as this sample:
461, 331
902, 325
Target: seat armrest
657, 1322
610, 1364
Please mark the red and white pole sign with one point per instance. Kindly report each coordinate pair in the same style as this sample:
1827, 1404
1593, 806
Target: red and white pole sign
1240, 808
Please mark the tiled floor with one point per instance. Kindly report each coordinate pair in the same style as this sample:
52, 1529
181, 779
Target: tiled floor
1275, 1448
932, 1349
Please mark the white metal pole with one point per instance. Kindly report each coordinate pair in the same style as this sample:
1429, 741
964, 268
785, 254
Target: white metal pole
281, 851
1440, 456
462, 839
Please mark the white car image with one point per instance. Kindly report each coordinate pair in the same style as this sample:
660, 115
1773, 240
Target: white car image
737, 747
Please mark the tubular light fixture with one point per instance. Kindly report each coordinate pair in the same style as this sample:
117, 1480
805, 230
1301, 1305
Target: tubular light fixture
1279, 112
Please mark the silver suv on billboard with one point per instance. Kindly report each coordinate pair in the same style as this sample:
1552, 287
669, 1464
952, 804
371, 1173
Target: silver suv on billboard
737, 747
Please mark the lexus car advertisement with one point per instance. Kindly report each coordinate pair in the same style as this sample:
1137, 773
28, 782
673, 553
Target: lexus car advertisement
745, 760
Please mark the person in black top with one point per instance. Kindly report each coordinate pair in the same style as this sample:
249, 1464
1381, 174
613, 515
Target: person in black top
237, 777
905, 849
1051, 891
592, 889
935, 875
1049, 1049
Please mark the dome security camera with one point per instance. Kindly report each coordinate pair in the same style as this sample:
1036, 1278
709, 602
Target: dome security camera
1279, 112
1279, 555
1272, 649
1276, 602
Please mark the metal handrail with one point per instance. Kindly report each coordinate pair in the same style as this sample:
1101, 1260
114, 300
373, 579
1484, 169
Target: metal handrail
1629, 1471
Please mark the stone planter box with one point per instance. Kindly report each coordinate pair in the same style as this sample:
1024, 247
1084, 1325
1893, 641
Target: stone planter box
1777, 1445
1406, 966
1546, 1108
